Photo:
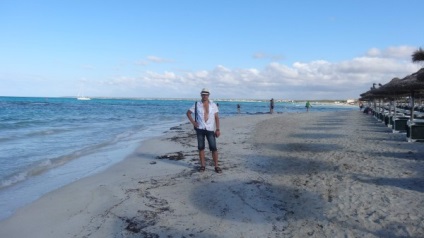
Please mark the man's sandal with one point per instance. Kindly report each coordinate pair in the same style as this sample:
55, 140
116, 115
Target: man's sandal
218, 170
202, 169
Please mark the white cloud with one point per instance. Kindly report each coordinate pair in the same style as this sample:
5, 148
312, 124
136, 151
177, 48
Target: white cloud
156, 59
261, 55
141, 62
153, 59
400, 52
302, 80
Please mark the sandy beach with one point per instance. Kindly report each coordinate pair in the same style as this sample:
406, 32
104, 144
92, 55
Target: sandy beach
316, 174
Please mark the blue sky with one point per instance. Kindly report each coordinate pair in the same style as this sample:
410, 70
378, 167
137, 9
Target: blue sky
236, 48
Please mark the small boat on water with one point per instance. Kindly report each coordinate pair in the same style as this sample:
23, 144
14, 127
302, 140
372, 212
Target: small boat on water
81, 95
83, 98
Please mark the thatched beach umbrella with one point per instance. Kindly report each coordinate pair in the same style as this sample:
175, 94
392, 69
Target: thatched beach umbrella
370, 95
418, 56
411, 85
420, 77
366, 96
387, 92
389, 89
408, 86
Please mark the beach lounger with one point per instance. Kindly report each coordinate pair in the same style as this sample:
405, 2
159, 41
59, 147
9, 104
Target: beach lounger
415, 130
399, 123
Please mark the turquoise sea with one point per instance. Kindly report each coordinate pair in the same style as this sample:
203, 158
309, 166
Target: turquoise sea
46, 143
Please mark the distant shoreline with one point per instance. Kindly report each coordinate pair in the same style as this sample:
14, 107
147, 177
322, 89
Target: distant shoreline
326, 101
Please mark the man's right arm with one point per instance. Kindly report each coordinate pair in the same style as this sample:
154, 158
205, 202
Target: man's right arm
190, 118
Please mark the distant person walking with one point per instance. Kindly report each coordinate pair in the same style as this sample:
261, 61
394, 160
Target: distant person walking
206, 123
308, 105
271, 105
238, 108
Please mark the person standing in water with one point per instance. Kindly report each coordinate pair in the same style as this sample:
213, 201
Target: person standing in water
308, 105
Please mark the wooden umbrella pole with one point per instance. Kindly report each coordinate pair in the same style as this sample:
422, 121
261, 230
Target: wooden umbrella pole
412, 106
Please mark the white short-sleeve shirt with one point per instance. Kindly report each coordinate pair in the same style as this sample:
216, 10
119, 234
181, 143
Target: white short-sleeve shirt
213, 109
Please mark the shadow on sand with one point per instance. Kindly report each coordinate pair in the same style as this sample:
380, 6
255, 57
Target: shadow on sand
415, 184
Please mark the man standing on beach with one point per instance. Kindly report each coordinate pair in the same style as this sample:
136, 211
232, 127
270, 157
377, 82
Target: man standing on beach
271, 105
205, 121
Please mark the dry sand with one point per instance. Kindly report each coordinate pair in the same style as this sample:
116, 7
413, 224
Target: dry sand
287, 175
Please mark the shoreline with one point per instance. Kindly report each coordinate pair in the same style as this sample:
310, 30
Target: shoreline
48, 176
294, 174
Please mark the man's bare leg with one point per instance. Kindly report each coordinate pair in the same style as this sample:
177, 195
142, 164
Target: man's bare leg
215, 158
202, 157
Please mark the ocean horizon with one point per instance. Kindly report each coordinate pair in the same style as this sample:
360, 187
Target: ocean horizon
191, 99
